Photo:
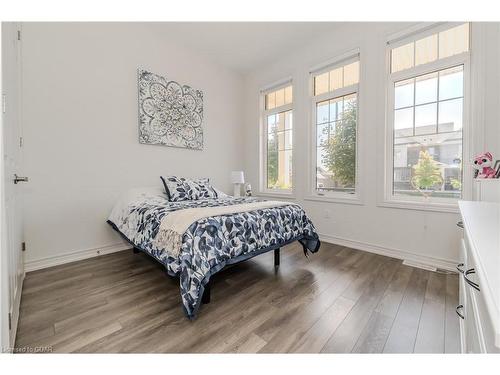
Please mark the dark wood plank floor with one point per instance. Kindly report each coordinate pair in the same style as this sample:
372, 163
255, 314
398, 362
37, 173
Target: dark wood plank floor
339, 300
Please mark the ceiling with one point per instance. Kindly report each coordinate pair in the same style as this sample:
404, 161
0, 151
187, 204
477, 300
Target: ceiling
244, 46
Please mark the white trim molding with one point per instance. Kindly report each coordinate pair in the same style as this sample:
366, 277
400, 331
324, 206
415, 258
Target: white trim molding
341, 198
263, 134
74, 256
439, 263
312, 192
276, 85
419, 30
419, 205
340, 60
386, 196
276, 195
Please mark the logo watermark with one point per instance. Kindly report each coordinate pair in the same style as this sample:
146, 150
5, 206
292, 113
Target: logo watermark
28, 349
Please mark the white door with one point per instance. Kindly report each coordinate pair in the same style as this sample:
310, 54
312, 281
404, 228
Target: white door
12, 229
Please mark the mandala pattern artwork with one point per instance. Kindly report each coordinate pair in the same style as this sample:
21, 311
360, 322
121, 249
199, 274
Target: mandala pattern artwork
170, 114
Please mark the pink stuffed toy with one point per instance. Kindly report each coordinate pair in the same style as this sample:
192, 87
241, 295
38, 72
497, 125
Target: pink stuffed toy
483, 163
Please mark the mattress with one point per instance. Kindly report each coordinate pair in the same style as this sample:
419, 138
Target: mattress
209, 243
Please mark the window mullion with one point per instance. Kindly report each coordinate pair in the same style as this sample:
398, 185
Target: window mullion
414, 54
414, 104
437, 104
433, 66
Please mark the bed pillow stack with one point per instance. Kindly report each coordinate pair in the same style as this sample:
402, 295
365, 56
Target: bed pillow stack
183, 189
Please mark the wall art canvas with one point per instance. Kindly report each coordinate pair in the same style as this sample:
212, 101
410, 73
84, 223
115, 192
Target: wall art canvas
170, 114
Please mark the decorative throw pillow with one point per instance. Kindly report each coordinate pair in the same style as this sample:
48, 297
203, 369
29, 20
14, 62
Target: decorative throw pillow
183, 189
220, 194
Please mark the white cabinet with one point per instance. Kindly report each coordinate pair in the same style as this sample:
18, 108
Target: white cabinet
479, 294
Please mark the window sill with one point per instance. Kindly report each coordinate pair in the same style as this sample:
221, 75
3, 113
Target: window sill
349, 199
420, 206
276, 195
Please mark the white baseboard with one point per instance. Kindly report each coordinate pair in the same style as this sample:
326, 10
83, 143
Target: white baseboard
423, 266
56, 260
445, 264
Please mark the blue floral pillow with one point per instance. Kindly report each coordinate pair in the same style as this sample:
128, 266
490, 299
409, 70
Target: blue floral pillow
183, 189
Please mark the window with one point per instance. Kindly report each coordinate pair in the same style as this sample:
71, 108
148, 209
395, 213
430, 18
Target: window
446, 43
334, 106
337, 78
426, 114
278, 139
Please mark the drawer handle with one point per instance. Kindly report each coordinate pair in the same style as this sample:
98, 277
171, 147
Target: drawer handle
471, 283
457, 310
460, 224
459, 268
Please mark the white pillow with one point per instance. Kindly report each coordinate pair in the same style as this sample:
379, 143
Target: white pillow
220, 194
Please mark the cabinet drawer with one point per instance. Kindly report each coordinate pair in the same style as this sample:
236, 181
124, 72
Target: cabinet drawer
477, 302
480, 284
487, 328
470, 327
473, 334
462, 309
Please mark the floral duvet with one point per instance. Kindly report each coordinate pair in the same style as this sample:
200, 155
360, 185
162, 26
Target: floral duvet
210, 243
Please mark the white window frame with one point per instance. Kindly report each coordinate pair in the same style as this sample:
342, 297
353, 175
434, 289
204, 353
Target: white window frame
409, 202
263, 189
334, 196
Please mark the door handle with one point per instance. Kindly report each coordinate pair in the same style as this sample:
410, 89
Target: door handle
460, 224
470, 282
18, 179
457, 310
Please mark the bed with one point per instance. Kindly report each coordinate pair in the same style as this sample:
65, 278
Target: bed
194, 239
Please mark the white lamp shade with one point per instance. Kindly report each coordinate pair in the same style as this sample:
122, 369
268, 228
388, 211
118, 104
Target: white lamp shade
237, 177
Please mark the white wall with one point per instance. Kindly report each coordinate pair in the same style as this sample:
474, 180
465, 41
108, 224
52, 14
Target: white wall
492, 89
80, 132
425, 236
80, 127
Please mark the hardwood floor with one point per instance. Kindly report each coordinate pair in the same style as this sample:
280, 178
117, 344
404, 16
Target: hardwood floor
339, 300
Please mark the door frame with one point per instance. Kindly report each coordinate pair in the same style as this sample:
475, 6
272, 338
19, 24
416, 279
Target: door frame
4, 278
9, 314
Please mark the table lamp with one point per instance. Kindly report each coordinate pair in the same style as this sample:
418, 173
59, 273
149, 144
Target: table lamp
237, 178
